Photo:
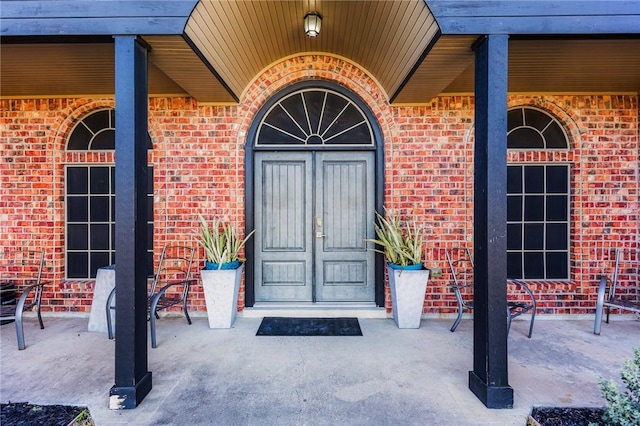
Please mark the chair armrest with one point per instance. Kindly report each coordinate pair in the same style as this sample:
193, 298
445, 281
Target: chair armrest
112, 294
156, 297
527, 290
458, 287
462, 303
22, 301
174, 284
25, 294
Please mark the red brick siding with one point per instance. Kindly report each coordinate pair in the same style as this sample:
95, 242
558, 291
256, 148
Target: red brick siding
198, 159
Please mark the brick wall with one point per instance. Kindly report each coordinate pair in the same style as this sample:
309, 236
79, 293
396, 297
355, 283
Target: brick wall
198, 159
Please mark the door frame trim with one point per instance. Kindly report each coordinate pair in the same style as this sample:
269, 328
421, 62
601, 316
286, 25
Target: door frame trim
249, 211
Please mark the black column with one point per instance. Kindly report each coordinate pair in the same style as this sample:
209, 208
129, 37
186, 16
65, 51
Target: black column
489, 378
133, 381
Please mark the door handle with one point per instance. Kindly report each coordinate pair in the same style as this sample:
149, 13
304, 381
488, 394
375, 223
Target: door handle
319, 234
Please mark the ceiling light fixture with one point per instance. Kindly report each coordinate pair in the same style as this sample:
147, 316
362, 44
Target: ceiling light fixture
312, 24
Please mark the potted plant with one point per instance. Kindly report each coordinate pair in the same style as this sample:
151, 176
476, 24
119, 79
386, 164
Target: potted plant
402, 245
223, 270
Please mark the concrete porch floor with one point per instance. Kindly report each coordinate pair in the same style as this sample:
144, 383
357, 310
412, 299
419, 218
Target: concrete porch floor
386, 377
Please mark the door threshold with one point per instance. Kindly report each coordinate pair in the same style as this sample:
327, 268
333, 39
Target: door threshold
313, 310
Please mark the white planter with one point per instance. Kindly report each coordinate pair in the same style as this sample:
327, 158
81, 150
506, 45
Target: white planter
221, 295
407, 295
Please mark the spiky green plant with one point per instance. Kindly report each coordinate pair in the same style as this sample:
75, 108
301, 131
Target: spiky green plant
401, 245
221, 241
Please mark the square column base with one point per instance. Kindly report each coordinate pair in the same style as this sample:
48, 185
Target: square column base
491, 396
127, 397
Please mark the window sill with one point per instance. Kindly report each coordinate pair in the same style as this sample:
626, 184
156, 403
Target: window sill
549, 285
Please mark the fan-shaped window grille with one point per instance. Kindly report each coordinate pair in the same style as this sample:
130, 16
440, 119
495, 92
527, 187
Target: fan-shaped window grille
314, 118
530, 128
96, 132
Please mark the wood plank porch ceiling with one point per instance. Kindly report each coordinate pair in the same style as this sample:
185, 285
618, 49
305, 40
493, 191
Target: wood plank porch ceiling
227, 44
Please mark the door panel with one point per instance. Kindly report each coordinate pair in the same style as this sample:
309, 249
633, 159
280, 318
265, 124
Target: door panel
344, 201
313, 212
283, 268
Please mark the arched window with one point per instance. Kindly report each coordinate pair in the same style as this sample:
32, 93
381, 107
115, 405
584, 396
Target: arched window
96, 131
530, 128
537, 200
313, 118
90, 200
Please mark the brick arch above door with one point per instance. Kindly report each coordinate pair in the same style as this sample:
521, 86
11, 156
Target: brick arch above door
315, 67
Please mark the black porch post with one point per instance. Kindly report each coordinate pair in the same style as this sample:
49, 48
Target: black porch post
489, 378
133, 381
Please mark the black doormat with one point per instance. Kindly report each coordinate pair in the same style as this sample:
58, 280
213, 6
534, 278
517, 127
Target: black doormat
279, 326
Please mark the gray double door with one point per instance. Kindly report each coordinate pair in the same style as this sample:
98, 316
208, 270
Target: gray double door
313, 211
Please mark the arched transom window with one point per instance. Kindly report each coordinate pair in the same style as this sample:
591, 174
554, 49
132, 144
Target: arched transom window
314, 117
96, 131
530, 128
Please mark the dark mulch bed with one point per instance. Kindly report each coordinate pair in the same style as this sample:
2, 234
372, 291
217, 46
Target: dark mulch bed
567, 416
24, 414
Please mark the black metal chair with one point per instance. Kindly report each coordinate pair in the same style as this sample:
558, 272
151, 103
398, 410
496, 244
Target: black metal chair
526, 303
621, 290
461, 268
169, 287
21, 273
